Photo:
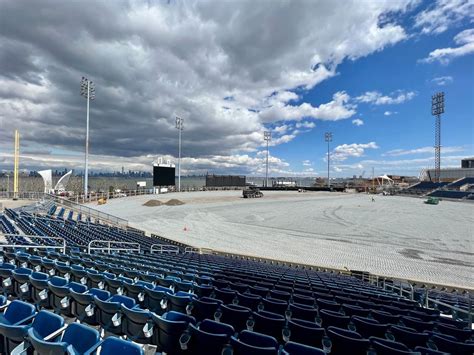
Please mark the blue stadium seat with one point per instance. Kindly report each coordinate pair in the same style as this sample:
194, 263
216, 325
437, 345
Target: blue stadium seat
76, 339
388, 347
417, 324
409, 336
269, 323
385, 317
84, 304
134, 322
452, 345
251, 343
274, 305
460, 334
17, 313
334, 319
205, 307
305, 332
292, 348
6, 278
235, 315
108, 312
45, 323
347, 342
39, 289
114, 346
209, 337
328, 305
180, 302
427, 351
369, 327
167, 330
155, 299
249, 300
227, 296
302, 311
21, 287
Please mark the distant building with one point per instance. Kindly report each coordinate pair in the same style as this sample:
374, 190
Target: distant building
451, 174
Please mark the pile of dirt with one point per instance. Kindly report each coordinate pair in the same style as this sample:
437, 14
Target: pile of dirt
153, 203
174, 202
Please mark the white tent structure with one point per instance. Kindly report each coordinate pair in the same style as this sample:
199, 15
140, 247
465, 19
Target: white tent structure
384, 180
62, 183
47, 176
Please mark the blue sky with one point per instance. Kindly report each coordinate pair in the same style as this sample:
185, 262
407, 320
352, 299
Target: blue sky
405, 126
362, 70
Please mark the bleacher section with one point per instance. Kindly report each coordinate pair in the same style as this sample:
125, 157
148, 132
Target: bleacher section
191, 303
450, 194
77, 233
423, 188
202, 304
460, 183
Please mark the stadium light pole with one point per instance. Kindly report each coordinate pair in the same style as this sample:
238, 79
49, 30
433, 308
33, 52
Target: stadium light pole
179, 127
328, 139
267, 136
88, 92
437, 108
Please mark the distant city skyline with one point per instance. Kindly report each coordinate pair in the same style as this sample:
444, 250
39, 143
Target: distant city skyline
233, 70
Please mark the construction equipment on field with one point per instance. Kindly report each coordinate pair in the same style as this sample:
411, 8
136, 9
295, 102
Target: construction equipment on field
252, 192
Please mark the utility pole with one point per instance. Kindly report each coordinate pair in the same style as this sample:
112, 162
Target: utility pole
328, 139
437, 108
179, 127
88, 92
267, 136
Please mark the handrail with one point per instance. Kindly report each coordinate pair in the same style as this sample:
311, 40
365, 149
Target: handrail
164, 248
37, 246
470, 311
110, 248
198, 250
120, 222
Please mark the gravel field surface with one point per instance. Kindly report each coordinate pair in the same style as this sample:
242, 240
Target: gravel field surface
393, 236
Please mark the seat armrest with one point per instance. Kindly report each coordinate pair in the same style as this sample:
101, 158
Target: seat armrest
93, 349
27, 319
55, 334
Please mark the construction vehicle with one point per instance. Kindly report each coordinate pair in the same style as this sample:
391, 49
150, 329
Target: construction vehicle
252, 192
102, 201
432, 201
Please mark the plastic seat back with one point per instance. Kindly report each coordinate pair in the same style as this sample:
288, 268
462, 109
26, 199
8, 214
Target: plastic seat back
114, 346
347, 342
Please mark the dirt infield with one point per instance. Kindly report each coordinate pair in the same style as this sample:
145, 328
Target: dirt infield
393, 236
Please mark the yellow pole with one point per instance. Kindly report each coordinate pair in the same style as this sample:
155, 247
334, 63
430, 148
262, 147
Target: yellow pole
16, 164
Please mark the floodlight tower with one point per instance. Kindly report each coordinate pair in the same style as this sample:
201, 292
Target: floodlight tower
267, 137
88, 92
179, 127
328, 139
437, 108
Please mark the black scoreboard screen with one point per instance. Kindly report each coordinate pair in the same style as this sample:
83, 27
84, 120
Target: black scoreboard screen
163, 176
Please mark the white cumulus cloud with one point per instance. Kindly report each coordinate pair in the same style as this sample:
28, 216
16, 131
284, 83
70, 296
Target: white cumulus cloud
465, 42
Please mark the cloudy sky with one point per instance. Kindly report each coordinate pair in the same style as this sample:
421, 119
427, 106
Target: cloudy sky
364, 70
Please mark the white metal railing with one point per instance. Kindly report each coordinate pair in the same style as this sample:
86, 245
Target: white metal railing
35, 246
402, 291
198, 250
164, 248
469, 312
93, 213
109, 247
